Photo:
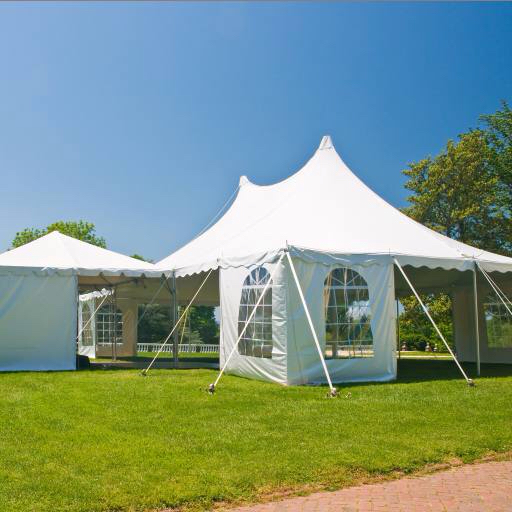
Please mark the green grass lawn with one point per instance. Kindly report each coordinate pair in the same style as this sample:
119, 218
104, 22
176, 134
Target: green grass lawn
426, 355
111, 440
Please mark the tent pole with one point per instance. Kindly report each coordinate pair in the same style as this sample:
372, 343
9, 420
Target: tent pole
398, 327
425, 310
174, 318
477, 329
114, 326
212, 386
144, 372
333, 391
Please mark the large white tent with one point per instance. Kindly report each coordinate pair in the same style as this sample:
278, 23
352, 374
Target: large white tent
39, 297
344, 243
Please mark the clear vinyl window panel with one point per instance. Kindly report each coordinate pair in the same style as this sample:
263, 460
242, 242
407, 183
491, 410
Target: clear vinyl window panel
109, 326
257, 338
87, 335
348, 332
498, 323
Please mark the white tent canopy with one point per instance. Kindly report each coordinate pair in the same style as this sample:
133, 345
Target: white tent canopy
323, 208
343, 241
59, 252
38, 298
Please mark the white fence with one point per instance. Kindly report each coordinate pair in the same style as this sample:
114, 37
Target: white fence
187, 348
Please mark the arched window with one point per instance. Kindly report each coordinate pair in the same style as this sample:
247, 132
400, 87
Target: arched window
257, 338
498, 323
348, 332
109, 326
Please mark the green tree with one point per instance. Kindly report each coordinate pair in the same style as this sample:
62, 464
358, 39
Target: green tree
139, 257
81, 230
416, 330
459, 193
464, 192
202, 320
154, 323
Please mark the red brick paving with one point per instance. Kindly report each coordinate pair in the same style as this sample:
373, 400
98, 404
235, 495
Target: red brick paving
485, 487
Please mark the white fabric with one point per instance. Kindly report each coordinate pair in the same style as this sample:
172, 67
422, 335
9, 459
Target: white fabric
304, 365
323, 208
295, 359
89, 302
99, 294
59, 252
274, 369
38, 315
89, 305
38, 290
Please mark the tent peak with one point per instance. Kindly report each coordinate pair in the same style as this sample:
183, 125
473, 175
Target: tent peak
326, 143
243, 181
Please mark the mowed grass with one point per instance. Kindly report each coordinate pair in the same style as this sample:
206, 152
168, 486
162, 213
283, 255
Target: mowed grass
111, 440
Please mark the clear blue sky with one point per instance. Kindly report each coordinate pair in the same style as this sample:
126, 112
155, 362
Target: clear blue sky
141, 117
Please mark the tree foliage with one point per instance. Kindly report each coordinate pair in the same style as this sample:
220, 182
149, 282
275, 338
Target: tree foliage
202, 320
459, 193
81, 230
155, 325
417, 331
464, 192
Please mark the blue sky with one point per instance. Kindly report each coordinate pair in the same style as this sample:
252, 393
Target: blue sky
141, 117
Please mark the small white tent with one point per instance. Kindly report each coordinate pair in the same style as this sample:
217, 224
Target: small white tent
39, 297
343, 242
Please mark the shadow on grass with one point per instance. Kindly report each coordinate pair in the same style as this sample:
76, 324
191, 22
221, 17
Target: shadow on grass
414, 370
409, 370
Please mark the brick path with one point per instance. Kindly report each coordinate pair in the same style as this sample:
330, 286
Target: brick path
485, 487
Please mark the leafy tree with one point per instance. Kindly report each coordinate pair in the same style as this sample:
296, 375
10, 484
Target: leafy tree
139, 257
202, 320
464, 192
81, 230
458, 193
156, 323
416, 330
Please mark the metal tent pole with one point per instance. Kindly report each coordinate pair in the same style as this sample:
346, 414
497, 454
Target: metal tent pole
398, 327
477, 328
174, 319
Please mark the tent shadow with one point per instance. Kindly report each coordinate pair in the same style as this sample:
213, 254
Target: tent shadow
412, 371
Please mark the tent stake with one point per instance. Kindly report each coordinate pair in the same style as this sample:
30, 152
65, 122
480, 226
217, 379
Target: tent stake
333, 391
425, 310
212, 386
